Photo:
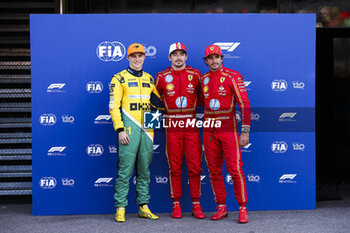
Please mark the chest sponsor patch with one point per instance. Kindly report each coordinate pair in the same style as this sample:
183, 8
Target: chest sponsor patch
205, 89
146, 85
170, 87
133, 84
169, 78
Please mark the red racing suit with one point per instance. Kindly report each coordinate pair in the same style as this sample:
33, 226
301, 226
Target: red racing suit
180, 91
222, 90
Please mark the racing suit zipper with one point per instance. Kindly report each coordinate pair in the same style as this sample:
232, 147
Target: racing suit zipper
141, 106
217, 99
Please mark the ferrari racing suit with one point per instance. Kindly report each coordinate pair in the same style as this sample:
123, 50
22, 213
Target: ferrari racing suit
222, 89
180, 91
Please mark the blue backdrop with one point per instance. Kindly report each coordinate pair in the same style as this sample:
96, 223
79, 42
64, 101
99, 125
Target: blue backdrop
75, 145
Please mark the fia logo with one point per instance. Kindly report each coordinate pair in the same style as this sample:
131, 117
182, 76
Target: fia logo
110, 51
47, 182
279, 85
94, 87
279, 147
94, 150
47, 119
151, 120
229, 179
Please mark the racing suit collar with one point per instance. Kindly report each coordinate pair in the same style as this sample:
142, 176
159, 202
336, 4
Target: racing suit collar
217, 72
134, 72
178, 71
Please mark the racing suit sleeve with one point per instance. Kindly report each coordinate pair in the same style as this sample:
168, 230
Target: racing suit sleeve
156, 99
242, 100
159, 85
115, 100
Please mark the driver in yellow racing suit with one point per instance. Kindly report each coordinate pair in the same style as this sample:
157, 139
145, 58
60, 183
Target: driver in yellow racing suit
132, 91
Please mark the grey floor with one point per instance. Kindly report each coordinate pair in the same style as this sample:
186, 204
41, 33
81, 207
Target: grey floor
330, 216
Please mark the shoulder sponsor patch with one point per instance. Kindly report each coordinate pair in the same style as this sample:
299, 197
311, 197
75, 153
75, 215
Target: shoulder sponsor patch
133, 84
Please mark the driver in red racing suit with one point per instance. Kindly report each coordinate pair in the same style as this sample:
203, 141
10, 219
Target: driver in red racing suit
222, 89
179, 86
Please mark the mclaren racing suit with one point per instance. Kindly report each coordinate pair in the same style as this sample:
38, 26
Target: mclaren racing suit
131, 93
180, 92
222, 90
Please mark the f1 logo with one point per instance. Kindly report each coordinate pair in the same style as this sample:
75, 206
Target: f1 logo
229, 46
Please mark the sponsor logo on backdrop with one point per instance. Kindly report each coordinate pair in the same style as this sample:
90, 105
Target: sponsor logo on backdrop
57, 151
155, 148
253, 178
113, 149
48, 182
94, 150
162, 179
298, 146
152, 120
199, 115
246, 148
287, 116
104, 182
56, 87
94, 87
110, 51
47, 119
229, 179
279, 85
298, 85
253, 116
68, 182
247, 85
103, 119
279, 147
227, 48
202, 179
68, 119
151, 51
287, 178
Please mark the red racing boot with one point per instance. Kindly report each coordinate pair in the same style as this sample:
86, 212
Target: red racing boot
221, 213
197, 210
242, 216
176, 210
